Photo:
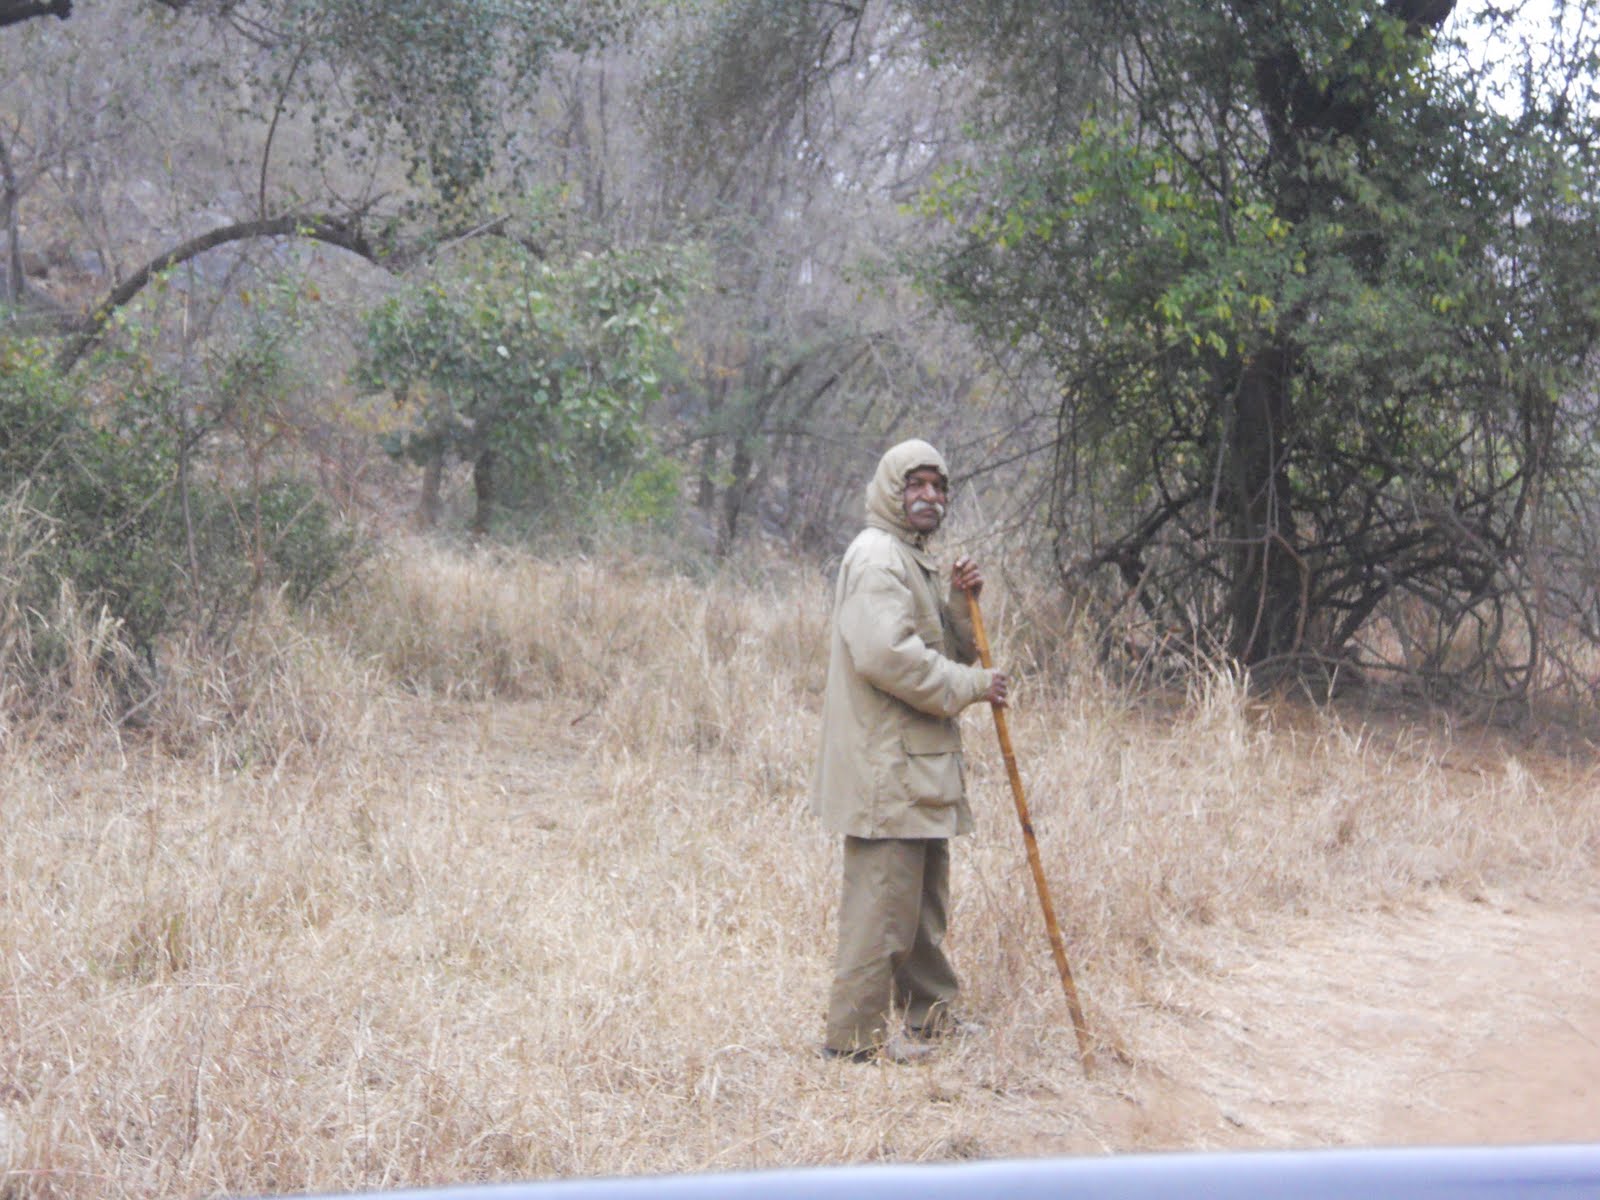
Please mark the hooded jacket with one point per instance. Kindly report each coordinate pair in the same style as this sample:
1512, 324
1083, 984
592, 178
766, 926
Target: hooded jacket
898, 674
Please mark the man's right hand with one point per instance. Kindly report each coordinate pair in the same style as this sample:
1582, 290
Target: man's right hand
996, 695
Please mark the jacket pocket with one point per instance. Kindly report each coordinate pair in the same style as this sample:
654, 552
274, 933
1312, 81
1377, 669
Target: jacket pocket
931, 764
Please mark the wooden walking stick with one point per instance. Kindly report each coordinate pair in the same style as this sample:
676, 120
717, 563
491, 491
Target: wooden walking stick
1057, 946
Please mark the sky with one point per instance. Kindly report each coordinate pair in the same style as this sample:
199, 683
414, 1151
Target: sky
1536, 22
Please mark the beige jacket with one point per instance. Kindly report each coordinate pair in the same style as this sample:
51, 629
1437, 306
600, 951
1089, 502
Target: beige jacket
890, 763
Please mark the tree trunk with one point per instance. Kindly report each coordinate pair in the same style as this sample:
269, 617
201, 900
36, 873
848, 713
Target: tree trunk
9, 199
1267, 596
705, 495
716, 395
733, 497
429, 505
483, 489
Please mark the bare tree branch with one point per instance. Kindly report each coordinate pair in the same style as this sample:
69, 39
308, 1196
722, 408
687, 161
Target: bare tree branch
14, 12
315, 227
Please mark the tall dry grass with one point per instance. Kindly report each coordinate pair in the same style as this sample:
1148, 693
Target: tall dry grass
504, 870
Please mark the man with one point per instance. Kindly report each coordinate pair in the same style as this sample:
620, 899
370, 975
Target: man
890, 776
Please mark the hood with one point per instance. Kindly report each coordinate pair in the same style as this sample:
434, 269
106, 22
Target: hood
885, 507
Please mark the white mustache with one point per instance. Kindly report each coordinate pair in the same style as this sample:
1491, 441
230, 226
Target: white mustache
928, 506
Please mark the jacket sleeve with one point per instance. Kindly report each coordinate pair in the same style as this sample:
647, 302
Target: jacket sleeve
875, 623
958, 611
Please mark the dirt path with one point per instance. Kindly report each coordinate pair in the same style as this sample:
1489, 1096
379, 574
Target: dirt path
1455, 1022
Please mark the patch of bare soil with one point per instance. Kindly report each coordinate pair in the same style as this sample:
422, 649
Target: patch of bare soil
1455, 1022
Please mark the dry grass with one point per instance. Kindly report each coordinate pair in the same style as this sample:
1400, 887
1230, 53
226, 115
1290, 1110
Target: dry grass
505, 871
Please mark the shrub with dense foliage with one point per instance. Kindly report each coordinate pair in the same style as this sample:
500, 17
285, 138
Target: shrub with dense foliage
103, 491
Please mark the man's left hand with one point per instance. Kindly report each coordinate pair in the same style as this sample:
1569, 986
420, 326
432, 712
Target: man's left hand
965, 576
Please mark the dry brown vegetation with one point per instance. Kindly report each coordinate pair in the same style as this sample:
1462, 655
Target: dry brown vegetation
503, 870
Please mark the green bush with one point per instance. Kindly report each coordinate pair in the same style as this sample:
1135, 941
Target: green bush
281, 536
652, 496
122, 531
105, 498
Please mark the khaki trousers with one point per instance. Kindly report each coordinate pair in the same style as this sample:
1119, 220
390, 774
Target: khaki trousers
891, 924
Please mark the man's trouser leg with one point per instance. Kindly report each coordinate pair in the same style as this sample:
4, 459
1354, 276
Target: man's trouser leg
924, 982
891, 923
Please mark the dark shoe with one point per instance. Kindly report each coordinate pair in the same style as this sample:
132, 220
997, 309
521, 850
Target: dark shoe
949, 1027
855, 1056
897, 1050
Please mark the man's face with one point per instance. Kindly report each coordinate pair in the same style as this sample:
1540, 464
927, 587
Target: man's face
925, 498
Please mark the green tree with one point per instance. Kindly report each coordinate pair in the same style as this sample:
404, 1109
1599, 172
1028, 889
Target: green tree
537, 374
1316, 310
